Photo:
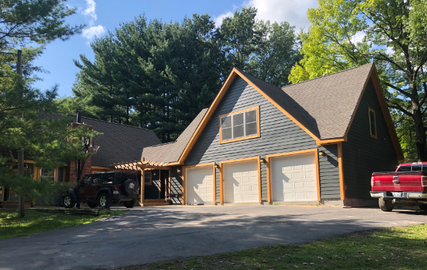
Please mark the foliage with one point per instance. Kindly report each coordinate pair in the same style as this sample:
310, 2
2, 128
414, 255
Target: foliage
160, 75
241, 36
152, 74
396, 248
277, 54
36, 222
348, 33
23, 109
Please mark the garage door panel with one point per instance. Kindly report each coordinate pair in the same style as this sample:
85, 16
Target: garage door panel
199, 185
293, 178
241, 182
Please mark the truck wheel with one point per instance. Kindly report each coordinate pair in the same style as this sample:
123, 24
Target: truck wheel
129, 204
385, 205
104, 200
423, 206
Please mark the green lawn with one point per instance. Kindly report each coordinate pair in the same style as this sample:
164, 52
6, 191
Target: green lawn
396, 248
35, 222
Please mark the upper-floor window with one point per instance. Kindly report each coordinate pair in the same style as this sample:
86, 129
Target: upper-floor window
372, 123
240, 125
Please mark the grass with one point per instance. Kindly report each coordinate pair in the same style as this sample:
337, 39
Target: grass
36, 222
396, 248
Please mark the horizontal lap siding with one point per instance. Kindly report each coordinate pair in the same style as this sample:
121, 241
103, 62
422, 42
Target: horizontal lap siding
362, 154
329, 173
279, 134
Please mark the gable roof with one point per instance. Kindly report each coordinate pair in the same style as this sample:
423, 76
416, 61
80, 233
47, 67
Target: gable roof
171, 152
332, 100
323, 107
119, 143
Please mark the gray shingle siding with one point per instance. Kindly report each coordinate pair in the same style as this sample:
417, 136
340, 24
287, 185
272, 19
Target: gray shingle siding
362, 154
329, 173
279, 134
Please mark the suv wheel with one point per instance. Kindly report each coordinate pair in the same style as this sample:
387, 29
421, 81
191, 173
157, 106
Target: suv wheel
385, 205
68, 201
104, 200
130, 187
129, 204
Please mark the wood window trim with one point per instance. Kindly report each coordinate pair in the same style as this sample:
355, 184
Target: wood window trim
55, 174
151, 178
257, 135
370, 123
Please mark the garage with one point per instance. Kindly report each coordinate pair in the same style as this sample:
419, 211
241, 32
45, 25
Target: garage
293, 178
241, 182
199, 185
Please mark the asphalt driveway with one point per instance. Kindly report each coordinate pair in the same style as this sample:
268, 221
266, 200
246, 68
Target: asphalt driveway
146, 235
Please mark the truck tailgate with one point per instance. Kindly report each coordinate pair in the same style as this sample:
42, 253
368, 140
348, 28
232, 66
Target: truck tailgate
398, 181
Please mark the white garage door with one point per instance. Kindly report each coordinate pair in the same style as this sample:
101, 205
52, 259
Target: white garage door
293, 178
199, 185
241, 182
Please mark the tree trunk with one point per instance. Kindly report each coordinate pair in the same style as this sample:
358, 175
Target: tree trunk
21, 201
420, 135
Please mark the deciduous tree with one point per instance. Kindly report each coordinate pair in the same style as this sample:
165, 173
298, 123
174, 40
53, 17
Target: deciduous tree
392, 34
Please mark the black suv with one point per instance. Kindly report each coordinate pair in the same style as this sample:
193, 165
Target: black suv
103, 189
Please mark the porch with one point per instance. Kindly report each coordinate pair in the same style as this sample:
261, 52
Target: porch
156, 184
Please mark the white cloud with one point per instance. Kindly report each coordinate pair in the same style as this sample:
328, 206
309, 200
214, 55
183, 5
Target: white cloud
94, 31
389, 50
358, 37
294, 12
90, 10
218, 20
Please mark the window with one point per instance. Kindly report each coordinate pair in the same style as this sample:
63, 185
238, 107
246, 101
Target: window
108, 178
239, 125
372, 123
406, 168
147, 178
86, 180
48, 175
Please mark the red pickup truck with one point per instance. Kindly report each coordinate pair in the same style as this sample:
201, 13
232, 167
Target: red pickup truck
408, 184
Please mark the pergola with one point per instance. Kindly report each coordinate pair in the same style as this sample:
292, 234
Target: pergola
143, 166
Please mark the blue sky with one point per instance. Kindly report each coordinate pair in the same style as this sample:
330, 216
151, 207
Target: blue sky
101, 16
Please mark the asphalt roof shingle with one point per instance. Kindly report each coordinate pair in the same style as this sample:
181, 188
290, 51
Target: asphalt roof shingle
119, 143
332, 99
324, 105
171, 152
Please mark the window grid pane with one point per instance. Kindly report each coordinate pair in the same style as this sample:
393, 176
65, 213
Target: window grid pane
239, 125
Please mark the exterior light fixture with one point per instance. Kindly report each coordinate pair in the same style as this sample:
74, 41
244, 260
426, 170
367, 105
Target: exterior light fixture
262, 160
322, 153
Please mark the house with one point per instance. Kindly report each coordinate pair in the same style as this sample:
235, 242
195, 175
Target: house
313, 142
118, 143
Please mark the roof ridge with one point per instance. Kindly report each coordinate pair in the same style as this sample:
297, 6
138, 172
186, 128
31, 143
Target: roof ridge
161, 144
326, 75
123, 125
